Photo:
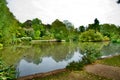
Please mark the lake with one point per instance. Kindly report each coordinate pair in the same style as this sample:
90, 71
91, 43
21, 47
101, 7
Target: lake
48, 56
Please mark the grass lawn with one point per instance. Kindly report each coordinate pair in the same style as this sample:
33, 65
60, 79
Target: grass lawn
74, 75
113, 61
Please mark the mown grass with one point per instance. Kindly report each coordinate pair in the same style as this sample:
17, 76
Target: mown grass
113, 61
74, 75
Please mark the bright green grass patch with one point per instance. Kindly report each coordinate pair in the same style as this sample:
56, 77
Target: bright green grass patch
1, 46
113, 61
74, 75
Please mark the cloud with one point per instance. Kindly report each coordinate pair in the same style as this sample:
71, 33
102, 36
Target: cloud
80, 12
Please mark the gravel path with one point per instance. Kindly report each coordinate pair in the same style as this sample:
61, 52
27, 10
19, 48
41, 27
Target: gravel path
104, 70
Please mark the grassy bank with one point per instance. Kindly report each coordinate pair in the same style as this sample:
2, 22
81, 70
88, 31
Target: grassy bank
74, 75
83, 75
113, 61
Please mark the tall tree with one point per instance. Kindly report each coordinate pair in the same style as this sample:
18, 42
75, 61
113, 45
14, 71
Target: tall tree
95, 26
81, 29
39, 29
68, 24
59, 29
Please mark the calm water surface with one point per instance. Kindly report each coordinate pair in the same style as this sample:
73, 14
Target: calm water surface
46, 56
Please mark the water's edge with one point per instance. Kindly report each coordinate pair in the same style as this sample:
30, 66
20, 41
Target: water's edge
42, 75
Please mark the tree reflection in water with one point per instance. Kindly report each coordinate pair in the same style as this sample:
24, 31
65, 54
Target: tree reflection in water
60, 53
91, 51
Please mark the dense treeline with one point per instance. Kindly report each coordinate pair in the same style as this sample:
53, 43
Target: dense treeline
58, 30
8, 24
12, 31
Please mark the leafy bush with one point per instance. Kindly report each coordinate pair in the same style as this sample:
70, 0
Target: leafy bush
90, 56
106, 38
118, 40
75, 65
18, 40
37, 35
6, 72
1, 46
26, 39
115, 38
91, 35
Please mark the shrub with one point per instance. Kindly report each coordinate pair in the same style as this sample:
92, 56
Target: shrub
106, 38
1, 46
6, 72
89, 57
75, 65
91, 35
114, 40
26, 39
118, 40
18, 40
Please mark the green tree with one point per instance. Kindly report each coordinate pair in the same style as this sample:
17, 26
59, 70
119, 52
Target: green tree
27, 24
8, 24
81, 29
68, 24
95, 26
109, 30
39, 29
59, 30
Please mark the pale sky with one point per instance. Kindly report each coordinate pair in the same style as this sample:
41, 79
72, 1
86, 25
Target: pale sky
79, 12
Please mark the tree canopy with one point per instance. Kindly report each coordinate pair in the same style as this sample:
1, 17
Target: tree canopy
12, 31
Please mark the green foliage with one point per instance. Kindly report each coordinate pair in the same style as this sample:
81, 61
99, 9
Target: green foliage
6, 72
105, 38
8, 24
81, 29
118, 40
109, 30
115, 38
90, 57
59, 29
75, 65
37, 25
95, 26
90, 35
27, 24
11, 30
69, 25
26, 39
1, 46
37, 34
90, 52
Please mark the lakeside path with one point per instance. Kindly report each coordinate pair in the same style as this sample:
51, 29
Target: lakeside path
104, 70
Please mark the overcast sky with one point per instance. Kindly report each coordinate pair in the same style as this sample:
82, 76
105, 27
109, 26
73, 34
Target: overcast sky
79, 12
